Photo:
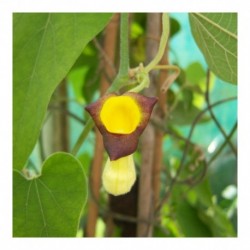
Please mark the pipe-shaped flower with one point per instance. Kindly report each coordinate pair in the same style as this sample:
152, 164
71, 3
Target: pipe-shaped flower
121, 119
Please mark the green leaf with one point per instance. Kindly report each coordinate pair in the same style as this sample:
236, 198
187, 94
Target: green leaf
45, 46
50, 205
216, 219
187, 96
174, 27
181, 79
136, 30
75, 79
211, 213
216, 36
222, 173
195, 73
204, 193
84, 75
184, 114
191, 225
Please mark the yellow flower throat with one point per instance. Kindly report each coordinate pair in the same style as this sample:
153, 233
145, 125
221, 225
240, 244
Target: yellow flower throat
120, 115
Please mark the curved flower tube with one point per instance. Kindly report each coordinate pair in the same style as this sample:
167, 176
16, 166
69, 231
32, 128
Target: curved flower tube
119, 176
121, 119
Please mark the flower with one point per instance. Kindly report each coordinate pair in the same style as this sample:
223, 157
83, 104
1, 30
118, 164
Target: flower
121, 119
119, 175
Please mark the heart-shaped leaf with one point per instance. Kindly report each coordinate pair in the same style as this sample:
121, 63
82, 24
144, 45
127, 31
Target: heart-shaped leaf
50, 205
45, 46
216, 36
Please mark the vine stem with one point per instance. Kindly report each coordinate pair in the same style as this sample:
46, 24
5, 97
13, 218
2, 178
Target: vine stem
124, 50
174, 180
89, 125
223, 145
219, 126
143, 72
163, 43
121, 78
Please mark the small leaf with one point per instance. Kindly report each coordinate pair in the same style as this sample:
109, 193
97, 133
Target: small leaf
174, 27
136, 30
45, 46
204, 193
181, 79
195, 73
187, 98
85, 74
171, 96
91, 83
216, 36
184, 114
51, 204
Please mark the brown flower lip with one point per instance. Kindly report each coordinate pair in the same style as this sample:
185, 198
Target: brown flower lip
120, 145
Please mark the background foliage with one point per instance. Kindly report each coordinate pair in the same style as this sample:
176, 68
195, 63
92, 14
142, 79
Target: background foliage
198, 178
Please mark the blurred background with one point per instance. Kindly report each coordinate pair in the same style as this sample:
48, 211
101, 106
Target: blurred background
187, 158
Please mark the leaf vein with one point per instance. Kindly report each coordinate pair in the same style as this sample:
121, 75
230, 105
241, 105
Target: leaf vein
215, 24
213, 38
42, 212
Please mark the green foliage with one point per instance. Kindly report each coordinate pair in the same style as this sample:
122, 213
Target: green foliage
195, 73
50, 205
189, 221
211, 213
184, 114
81, 74
216, 36
195, 213
174, 27
189, 90
45, 46
50, 201
222, 173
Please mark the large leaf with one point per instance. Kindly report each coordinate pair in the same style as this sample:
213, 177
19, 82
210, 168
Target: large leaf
45, 47
51, 204
191, 224
216, 36
212, 214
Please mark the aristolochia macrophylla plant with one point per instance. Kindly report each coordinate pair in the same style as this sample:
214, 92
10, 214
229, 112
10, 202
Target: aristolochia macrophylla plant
121, 119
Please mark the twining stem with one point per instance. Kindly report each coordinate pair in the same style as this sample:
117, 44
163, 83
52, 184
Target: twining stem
180, 168
89, 125
223, 145
41, 146
168, 67
207, 96
121, 78
171, 77
163, 43
142, 73
124, 50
